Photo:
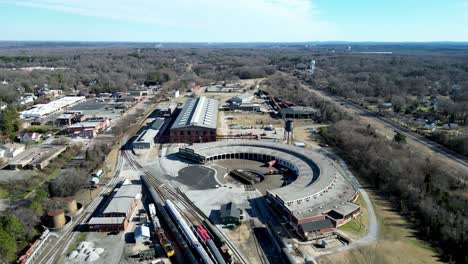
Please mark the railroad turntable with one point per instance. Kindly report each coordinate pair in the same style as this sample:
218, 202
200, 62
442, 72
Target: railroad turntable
303, 185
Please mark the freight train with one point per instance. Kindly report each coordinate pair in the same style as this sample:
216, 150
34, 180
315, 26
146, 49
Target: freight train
189, 257
163, 241
187, 231
203, 234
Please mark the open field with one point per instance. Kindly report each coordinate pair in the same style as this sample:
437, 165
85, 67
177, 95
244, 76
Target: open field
397, 242
252, 119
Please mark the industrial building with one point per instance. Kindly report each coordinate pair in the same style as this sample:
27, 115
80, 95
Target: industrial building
300, 112
89, 128
41, 110
117, 213
240, 99
149, 135
36, 158
197, 122
319, 192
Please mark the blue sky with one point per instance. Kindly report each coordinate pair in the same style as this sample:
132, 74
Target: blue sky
234, 20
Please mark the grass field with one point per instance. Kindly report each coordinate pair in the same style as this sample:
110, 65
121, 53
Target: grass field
397, 242
357, 227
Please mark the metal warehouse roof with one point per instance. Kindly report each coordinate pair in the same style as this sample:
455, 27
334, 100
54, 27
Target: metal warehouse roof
147, 136
106, 220
229, 210
198, 112
158, 123
317, 225
123, 199
41, 110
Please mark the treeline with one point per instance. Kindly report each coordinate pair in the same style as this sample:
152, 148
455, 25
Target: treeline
458, 143
429, 192
120, 69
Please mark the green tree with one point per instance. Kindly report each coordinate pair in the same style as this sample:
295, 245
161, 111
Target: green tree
400, 138
8, 246
9, 122
11, 226
36, 206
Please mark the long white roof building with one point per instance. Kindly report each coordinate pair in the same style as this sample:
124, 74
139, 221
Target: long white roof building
41, 110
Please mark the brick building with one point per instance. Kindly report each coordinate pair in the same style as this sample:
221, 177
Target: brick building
197, 122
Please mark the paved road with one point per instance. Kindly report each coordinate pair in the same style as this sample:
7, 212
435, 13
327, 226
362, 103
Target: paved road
373, 225
450, 154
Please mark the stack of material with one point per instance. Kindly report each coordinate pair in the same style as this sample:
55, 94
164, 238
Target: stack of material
85, 252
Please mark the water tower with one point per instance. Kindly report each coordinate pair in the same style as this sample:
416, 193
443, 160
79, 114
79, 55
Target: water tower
288, 130
312, 67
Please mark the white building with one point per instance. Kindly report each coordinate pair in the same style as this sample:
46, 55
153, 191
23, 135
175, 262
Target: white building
3, 106
176, 94
41, 110
24, 100
11, 150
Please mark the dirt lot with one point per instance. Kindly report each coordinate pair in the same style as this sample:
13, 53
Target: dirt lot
244, 240
397, 242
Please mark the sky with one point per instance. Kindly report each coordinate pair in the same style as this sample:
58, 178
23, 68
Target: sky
234, 20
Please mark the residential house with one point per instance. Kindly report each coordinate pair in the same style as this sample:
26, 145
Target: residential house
34, 137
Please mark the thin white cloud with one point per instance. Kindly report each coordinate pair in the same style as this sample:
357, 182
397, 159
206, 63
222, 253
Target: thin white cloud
223, 20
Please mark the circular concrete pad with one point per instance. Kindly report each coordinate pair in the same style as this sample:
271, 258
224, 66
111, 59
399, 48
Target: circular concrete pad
197, 177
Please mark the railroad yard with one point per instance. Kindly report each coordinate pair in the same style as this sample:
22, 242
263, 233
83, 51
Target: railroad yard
200, 185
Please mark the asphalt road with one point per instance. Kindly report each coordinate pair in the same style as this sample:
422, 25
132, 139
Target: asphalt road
434, 146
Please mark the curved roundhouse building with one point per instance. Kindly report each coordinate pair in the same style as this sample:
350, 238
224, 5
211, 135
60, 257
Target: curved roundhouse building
319, 199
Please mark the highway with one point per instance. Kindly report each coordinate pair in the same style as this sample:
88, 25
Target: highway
434, 146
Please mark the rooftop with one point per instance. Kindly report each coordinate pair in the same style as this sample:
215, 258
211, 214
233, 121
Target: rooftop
229, 210
198, 112
123, 199
106, 220
86, 124
317, 225
318, 188
40, 110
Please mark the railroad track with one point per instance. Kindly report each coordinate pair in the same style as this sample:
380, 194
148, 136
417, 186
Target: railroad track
196, 216
57, 248
400, 129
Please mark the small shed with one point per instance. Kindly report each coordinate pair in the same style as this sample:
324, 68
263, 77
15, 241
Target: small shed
230, 214
142, 233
